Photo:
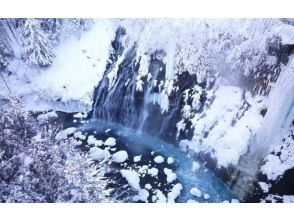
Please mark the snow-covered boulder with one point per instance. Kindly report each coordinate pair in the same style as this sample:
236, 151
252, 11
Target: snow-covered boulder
153, 171
159, 159
65, 133
170, 175
132, 178
80, 115
174, 193
79, 135
110, 142
143, 195
137, 158
170, 160
120, 156
99, 154
47, 116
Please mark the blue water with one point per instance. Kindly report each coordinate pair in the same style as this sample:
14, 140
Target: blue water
138, 143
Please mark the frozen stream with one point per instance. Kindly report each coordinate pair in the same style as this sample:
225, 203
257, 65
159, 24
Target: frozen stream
138, 143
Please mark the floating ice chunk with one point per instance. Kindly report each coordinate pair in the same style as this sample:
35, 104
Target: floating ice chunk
174, 193
152, 152
110, 141
80, 115
170, 160
107, 130
79, 135
195, 191
158, 159
98, 154
65, 133
195, 166
153, 171
206, 196
132, 178
137, 158
170, 175
120, 156
148, 186
47, 116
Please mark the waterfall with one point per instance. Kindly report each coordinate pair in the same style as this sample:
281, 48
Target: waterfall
280, 112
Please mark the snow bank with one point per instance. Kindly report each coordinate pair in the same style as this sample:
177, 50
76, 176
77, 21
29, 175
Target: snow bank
132, 178
120, 156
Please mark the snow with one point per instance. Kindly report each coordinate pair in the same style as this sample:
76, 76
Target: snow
91, 140
132, 178
275, 165
153, 171
137, 158
47, 116
195, 191
170, 175
65, 133
86, 57
148, 186
110, 142
120, 156
79, 135
80, 115
159, 159
206, 196
170, 160
99, 154
195, 166
174, 193
159, 197
264, 186
143, 195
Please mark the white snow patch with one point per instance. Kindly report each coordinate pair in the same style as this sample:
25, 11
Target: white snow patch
80, 135
195, 166
148, 186
264, 186
47, 116
65, 133
80, 115
143, 195
99, 154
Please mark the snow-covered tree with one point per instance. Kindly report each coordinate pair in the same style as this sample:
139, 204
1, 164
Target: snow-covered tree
37, 45
35, 166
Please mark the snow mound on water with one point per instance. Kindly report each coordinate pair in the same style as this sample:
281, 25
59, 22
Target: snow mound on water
174, 193
137, 158
65, 133
98, 154
143, 195
132, 178
158, 159
170, 175
110, 141
120, 156
170, 160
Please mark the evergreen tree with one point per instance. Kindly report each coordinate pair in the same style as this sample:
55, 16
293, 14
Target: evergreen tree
37, 46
